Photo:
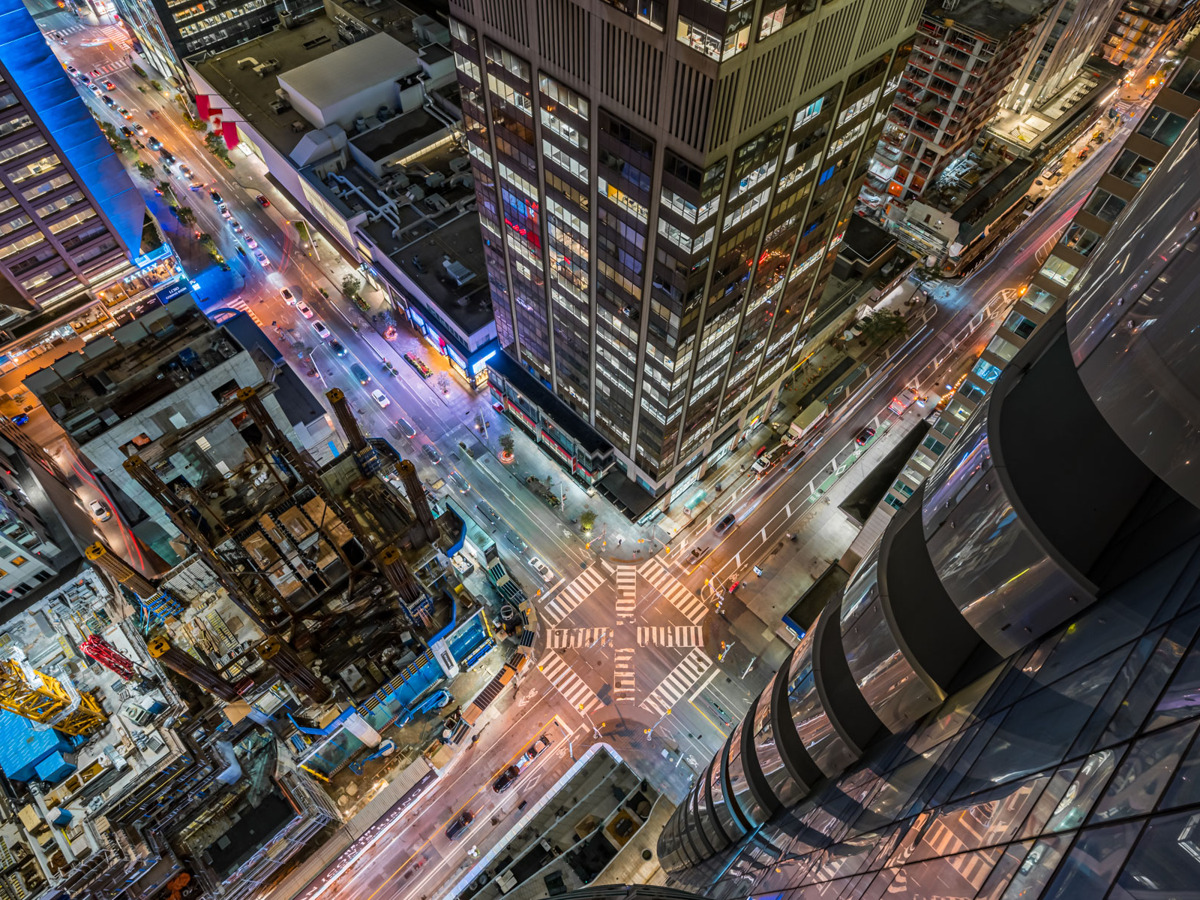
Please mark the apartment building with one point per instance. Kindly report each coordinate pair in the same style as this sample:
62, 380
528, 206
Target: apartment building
1141, 32
962, 64
71, 220
662, 197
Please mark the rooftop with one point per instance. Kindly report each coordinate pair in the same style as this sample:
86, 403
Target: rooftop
333, 77
1030, 132
864, 240
996, 19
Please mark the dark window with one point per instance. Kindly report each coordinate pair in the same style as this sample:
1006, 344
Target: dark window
1132, 168
1161, 126
1104, 205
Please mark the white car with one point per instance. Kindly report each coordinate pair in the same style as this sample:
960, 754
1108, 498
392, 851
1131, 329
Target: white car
381, 398
288, 297
304, 309
321, 330
541, 568
100, 510
262, 259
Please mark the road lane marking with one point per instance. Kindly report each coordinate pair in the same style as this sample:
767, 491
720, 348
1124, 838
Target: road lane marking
624, 675
677, 595
580, 588
670, 636
558, 638
678, 680
626, 594
705, 683
565, 680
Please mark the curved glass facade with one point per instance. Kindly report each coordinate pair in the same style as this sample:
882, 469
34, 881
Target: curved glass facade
767, 752
740, 791
817, 733
726, 817
893, 689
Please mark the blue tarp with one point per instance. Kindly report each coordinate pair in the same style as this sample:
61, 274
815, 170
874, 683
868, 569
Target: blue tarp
22, 746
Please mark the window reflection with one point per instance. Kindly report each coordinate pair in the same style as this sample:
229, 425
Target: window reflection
1145, 773
1093, 863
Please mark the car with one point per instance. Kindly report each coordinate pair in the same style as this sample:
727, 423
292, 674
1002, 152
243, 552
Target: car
236, 226
304, 309
262, 259
109, 86
537, 747
321, 330
195, 186
152, 142
541, 568
124, 113
363, 376
865, 435
337, 347
250, 242
726, 523
381, 398
225, 213
459, 825
167, 156
185, 170
241, 250
459, 482
417, 363
263, 201
431, 453
216, 198
406, 427
72, 70
95, 89
517, 542
288, 297
100, 510
488, 510
109, 101
19, 418
84, 79
506, 779
139, 129
126, 131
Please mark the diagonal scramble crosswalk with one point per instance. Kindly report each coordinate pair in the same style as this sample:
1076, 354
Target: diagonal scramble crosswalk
573, 688
677, 595
682, 677
575, 592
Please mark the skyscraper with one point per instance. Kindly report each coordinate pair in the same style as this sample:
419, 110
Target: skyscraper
71, 217
1003, 702
662, 191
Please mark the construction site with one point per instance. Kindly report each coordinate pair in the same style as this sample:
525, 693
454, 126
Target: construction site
186, 734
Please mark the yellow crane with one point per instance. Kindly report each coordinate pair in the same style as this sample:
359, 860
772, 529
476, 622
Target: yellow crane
39, 697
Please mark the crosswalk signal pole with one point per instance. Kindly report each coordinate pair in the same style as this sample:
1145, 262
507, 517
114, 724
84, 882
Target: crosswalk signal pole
650, 731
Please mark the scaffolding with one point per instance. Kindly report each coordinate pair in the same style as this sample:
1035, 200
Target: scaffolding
39, 697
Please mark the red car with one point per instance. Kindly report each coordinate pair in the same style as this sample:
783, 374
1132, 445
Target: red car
263, 201
108, 85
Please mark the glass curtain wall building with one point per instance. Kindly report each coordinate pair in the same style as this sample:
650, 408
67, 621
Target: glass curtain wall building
662, 191
1004, 703
70, 217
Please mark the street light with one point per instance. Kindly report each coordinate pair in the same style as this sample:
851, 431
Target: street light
649, 732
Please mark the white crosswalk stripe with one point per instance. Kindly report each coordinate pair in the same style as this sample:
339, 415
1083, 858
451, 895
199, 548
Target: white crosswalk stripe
109, 68
572, 595
670, 635
624, 678
677, 595
240, 304
682, 677
573, 688
626, 593
578, 637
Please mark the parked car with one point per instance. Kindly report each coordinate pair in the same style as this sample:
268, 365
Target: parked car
321, 330
726, 523
126, 131
360, 373
459, 825
506, 779
381, 398
541, 568
406, 427
419, 364
865, 435
100, 510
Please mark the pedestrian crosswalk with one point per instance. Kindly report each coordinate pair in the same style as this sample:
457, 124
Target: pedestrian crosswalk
109, 68
677, 595
624, 679
626, 593
682, 677
573, 688
670, 635
578, 637
239, 304
579, 589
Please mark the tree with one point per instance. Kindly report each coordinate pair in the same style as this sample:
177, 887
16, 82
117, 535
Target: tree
146, 171
883, 326
351, 286
506, 443
587, 519
186, 215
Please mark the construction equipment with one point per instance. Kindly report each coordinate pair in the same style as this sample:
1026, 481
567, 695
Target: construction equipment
387, 748
51, 701
102, 652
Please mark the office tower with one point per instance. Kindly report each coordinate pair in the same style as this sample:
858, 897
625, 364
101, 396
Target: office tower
72, 219
662, 196
962, 63
1003, 701
166, 33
